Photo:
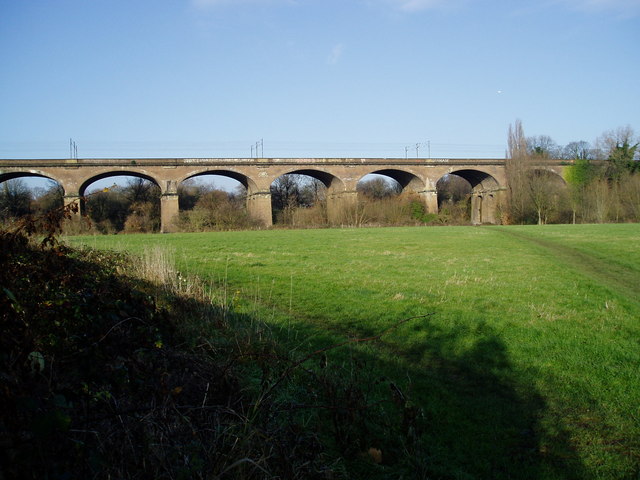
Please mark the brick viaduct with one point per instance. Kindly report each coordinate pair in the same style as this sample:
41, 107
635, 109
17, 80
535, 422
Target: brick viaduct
340, 176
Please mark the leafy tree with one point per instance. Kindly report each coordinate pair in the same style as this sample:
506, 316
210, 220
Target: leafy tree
144, 205
108, 209
578, 177
622, 159
619, 149
143, 217
139, 198
188, 194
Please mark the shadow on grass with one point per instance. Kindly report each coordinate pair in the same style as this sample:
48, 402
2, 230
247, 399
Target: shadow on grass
480, 420
108, 378
103, 375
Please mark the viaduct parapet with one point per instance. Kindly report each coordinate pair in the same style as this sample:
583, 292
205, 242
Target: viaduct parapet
340, 175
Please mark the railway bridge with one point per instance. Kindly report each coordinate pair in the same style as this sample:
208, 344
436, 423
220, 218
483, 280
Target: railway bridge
340, 175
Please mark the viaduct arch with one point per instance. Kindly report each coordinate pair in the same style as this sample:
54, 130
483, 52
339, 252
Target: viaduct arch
340, 176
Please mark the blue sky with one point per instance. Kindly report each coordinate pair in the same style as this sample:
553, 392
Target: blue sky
209, 78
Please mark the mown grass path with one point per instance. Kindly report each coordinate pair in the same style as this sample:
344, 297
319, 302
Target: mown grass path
598, 258
528, 367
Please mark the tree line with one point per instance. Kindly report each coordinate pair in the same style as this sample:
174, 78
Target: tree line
601, 183
134, 207
300, 201
297, 201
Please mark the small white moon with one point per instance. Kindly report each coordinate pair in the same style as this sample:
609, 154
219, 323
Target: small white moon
499, 92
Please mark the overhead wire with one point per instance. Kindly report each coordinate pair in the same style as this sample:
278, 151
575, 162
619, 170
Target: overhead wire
246, 149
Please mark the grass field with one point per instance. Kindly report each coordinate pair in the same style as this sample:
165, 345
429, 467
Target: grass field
529, 366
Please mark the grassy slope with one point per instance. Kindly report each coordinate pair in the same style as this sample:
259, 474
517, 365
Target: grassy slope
527, 369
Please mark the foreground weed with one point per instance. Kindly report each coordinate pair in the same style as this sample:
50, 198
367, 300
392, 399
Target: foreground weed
125, 368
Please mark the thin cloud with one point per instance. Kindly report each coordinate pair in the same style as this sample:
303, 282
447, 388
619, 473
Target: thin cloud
336, 53
417, 5
625, 8
209, 3
203, 4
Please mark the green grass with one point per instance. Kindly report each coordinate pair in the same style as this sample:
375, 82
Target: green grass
529, 367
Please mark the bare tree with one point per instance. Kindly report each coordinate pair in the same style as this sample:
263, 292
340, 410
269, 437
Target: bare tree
619, 149
516, 167
285, 191
542, 146
612, 139
285, 197
355, 214
630, 196
312, 192
49, 198
600, 199
141, 190
580, 150
452, 189
546, 192
378, 188
15, 199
